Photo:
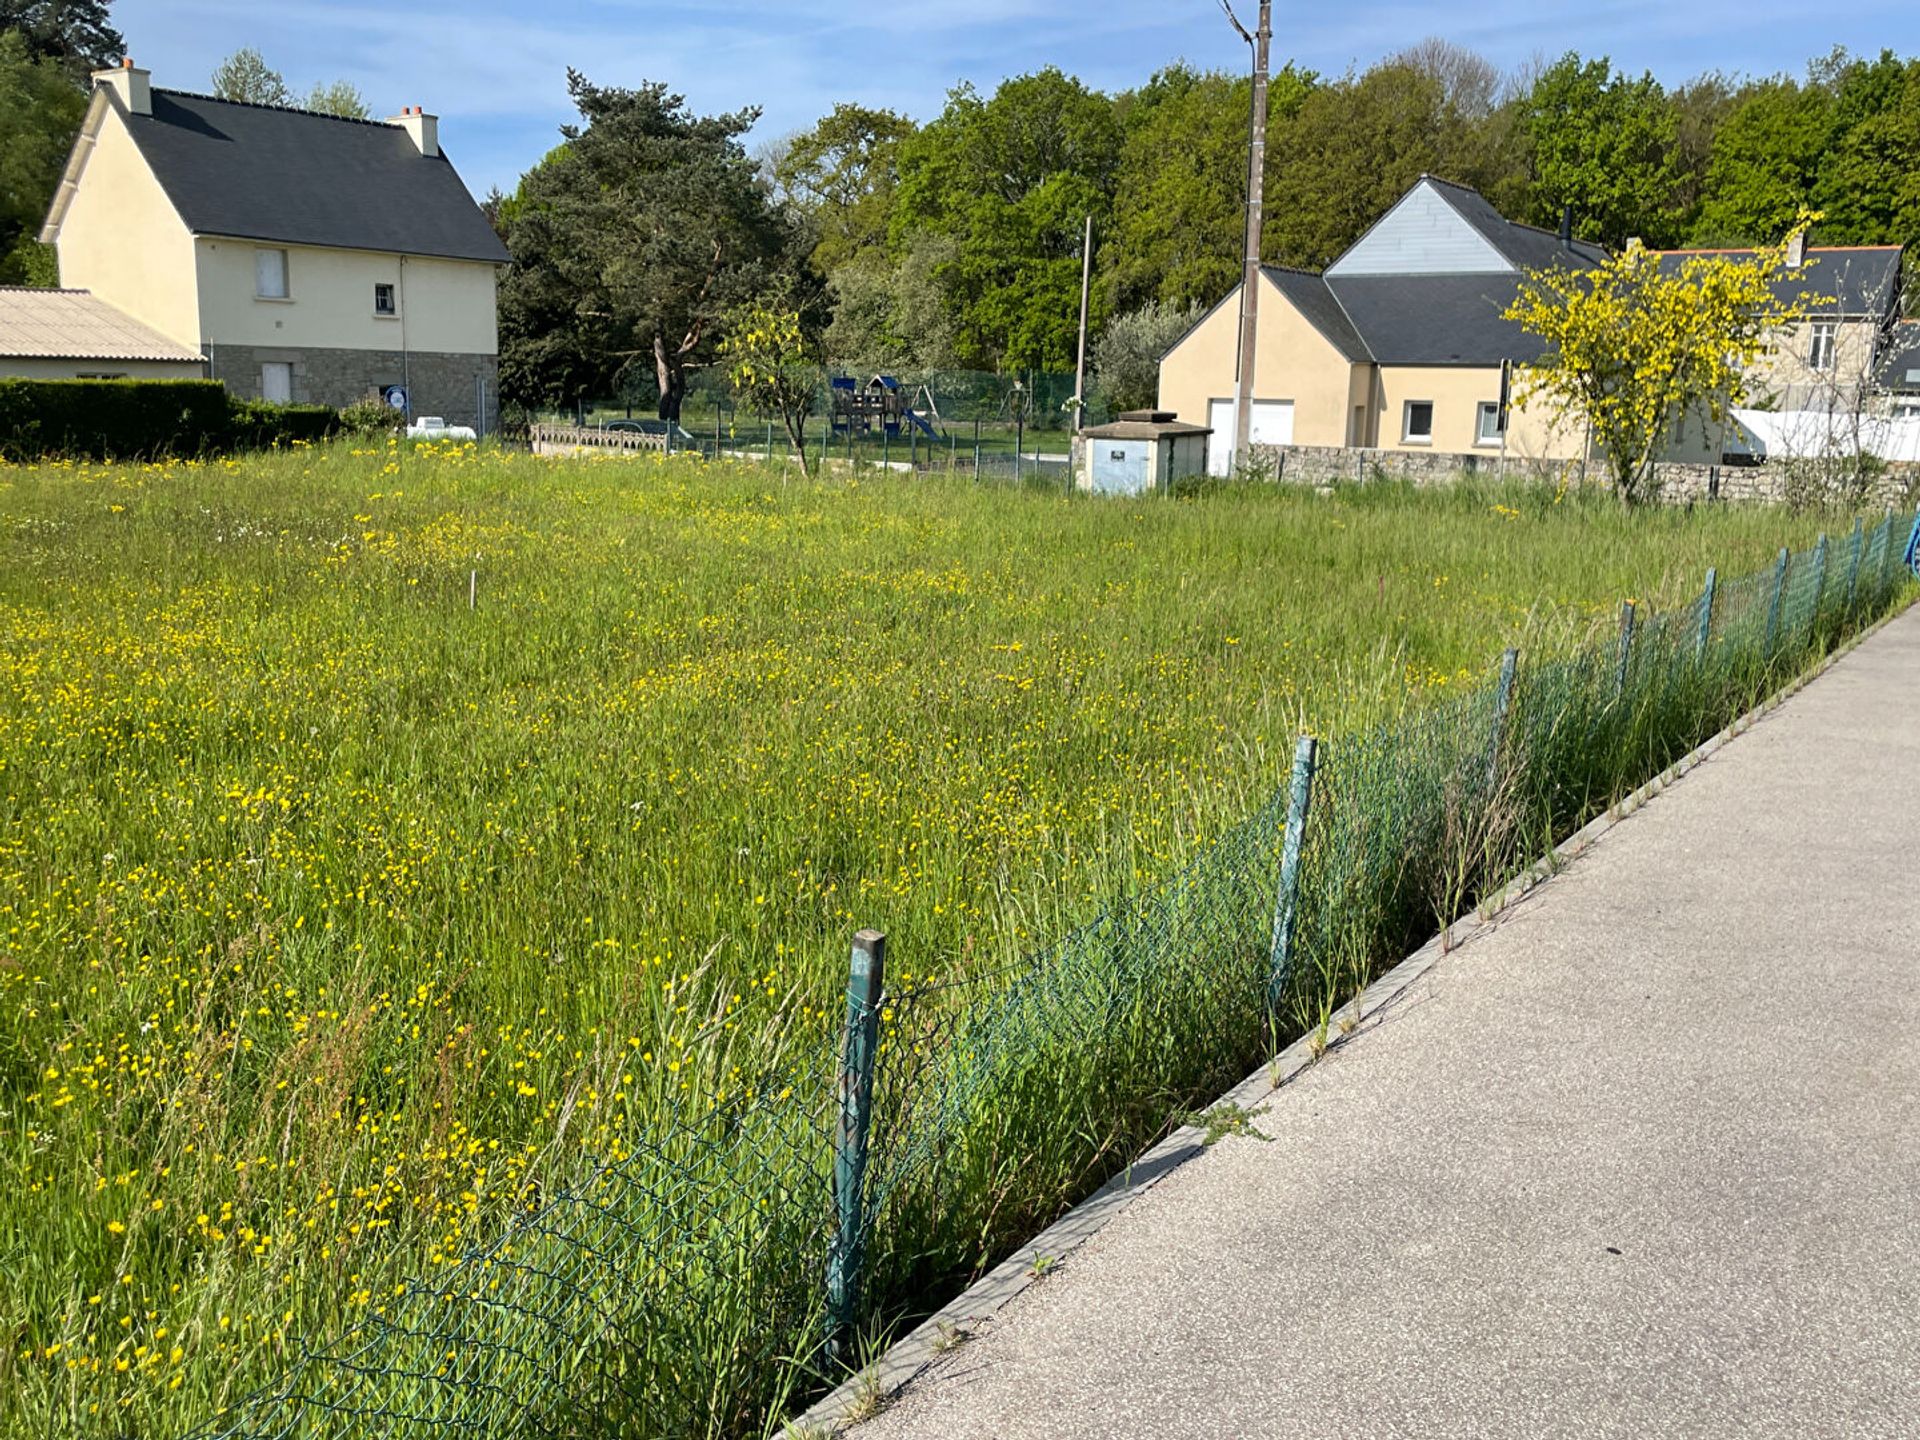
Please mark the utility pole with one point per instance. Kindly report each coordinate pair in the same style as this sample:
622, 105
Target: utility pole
1080, 365
1260, 40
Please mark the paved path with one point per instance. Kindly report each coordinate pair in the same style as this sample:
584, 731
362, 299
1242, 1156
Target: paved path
1642, 1160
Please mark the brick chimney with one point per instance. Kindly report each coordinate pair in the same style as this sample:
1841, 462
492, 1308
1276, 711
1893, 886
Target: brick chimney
423, 129
132, 85
1797, 249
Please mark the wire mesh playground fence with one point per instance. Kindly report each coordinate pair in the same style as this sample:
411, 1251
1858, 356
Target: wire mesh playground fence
728, 1265
1015, 425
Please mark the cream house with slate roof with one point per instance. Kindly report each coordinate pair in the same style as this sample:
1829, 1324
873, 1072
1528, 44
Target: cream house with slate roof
306, 257
1399, 343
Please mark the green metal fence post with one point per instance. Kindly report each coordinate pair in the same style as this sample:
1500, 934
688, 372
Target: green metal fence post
1773, 607
1853, 565
1626, 649
1286, 907
1502, 703
1886, 547
1706, 614
865, 976
1819, 584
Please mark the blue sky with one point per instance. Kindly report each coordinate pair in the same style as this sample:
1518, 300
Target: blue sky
495, 70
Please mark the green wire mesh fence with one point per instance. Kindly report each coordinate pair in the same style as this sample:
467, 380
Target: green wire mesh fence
684, 1291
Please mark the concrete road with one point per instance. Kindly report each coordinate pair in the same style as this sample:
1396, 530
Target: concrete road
1642, 1160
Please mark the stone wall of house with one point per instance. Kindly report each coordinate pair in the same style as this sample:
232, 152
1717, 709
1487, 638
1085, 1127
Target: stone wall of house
1898, 483
448, 385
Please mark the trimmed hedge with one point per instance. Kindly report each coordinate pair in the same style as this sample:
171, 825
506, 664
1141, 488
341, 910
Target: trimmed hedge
144, 419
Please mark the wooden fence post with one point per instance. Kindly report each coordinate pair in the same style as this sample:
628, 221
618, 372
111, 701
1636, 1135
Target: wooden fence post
1286, 906
865, 976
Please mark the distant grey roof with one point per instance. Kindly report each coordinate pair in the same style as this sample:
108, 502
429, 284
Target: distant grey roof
1899, 367
1860, 279
1526, 246
259, 172
76, 325
1312, 298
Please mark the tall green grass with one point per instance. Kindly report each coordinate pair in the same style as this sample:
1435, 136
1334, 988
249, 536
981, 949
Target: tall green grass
340, 921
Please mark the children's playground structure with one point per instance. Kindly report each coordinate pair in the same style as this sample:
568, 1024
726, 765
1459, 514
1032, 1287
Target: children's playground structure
883, 406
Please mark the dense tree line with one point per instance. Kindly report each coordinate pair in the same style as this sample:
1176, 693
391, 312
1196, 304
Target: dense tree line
957, 242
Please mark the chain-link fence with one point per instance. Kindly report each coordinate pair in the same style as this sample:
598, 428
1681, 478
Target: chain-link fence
700, 1286
1014, 426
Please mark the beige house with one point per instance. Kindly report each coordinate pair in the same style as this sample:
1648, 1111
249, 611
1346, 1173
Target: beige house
1833, 362
71, 335
1397, 345
306, 257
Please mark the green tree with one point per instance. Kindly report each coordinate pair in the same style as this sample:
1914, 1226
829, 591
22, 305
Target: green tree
1869, 176
340, 98
75, 34
1180, 192
40, 111
1633, 347
841, 176
1126, 360
1700, 108
245, 76
1353, 148
1011, 179
1604, 144
773, 363
630, 242
1764, 163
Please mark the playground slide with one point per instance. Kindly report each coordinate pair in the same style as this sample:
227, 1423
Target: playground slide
918, 419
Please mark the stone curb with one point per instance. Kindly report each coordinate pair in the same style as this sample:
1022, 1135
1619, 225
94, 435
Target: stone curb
909, 1357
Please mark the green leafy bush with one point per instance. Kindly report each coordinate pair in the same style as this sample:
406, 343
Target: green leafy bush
140, 419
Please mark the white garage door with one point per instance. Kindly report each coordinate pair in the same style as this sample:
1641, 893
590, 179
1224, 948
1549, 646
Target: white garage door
1272, 425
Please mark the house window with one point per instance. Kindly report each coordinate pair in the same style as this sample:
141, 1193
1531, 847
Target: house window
1820, 349
1487, 427
270, 274
276, 381
1417, 426
101, 375
383, 300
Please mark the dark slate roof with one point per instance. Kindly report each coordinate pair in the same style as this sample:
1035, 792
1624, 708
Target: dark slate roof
1416, 319
1312, 298
1859, 279
1899, 367
258, 172
1526, 246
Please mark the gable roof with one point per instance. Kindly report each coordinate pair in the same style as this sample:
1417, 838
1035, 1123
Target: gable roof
1309, 295
1440, 227
1899, 367
260, 172
1436, 319
77, 325
1525, 247
1859, 280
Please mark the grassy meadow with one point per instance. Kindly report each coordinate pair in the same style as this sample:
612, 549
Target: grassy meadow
386, 833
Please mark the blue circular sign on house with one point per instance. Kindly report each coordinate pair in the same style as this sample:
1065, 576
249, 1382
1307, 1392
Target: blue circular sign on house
395, 396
